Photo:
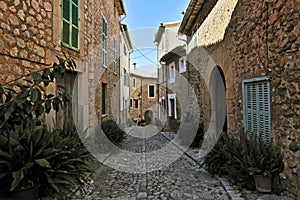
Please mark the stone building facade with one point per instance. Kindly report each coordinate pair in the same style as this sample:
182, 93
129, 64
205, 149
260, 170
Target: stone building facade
26, 37
125, 51
143, 94
174, 88
34, 32
258, 56
167, 44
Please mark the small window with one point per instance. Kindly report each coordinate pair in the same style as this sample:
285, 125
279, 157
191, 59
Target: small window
70, 23
124, 49
125, 77
256, 107
104, 88
151, 92
130, 102
182, 65
196, 39
136, 103
104, 42
163, 72
133, 83
115, 55
172, 74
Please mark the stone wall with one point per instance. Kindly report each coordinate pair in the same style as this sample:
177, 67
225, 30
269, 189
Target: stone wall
145, 103
25, 37
97, 73
262, 40
30, 38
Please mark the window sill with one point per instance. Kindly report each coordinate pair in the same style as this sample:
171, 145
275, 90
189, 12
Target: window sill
77, 50
104, 116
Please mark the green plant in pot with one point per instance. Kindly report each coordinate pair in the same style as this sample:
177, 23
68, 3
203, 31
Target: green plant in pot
263, 160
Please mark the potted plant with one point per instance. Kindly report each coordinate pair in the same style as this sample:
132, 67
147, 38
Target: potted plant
263, 160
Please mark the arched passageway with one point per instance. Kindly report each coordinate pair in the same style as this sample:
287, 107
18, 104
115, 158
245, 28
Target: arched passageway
217, 90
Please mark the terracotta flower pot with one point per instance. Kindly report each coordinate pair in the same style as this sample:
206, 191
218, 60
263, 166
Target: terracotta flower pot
263, 183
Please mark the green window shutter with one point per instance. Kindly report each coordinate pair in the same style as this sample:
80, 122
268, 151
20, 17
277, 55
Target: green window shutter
104, 88
264, 110
66, 32
115, 55
70, 18
104, 42
66, 21
256, 101
75, 37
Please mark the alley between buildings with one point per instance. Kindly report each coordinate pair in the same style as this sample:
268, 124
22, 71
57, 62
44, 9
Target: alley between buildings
185, 178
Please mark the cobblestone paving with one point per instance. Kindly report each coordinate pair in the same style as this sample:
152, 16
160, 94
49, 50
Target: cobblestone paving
182, 179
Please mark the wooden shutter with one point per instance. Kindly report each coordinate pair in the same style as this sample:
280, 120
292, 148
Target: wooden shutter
104, 88
115, 55
256, 98
75, 23
104, 41
70, 18
66, 21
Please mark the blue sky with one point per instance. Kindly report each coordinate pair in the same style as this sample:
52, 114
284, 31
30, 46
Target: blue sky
143, 18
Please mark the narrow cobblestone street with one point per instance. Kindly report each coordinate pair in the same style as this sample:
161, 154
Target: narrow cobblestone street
183, 179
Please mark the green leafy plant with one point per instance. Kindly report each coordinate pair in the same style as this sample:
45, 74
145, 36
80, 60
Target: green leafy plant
262, 158
225, 157
24, 157
24, 100
70, 165
30, 154
240, 158
113, 132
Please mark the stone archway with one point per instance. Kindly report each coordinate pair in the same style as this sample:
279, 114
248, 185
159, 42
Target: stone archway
148, 116
217, 90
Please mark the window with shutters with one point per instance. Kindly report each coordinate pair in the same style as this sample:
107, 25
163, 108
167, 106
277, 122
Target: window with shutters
70, 23
256, 107
115, 55
104, 42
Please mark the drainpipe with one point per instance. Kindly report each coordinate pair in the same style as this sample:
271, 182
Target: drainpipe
141, 99
120, 69
129, 67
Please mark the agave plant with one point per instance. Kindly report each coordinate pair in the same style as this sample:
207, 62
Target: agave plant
70, 165
24, 154
54, 161
262, 158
